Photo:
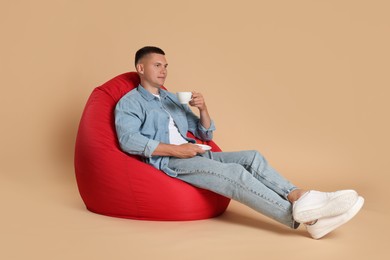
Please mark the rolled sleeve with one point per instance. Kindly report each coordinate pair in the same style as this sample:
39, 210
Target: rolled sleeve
206, 133
151, 145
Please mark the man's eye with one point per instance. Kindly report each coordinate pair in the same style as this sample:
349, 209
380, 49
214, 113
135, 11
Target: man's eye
157, 65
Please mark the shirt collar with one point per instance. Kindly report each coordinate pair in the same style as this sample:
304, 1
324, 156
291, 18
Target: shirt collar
149, 96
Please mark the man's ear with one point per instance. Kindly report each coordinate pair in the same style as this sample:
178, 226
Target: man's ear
140, 68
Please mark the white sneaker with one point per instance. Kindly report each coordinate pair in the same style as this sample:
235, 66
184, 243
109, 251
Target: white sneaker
315, 205
325, 225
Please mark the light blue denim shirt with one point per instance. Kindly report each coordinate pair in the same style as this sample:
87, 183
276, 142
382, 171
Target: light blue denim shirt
141, 122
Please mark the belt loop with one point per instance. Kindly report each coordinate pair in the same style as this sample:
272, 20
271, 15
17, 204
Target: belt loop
210, 154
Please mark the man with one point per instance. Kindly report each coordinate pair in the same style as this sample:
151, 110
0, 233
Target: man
151, 122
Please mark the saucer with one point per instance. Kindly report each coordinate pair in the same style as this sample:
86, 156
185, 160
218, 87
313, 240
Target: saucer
204, 147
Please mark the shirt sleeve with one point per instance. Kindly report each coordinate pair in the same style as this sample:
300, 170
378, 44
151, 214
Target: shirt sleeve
128, 121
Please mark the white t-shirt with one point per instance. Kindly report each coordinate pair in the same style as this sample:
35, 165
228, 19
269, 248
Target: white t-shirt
174, 136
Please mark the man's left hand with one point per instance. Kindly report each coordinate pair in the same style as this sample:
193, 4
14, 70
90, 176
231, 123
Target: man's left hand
198, 101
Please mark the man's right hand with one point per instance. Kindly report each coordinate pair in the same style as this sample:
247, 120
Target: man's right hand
180, 151
188, 150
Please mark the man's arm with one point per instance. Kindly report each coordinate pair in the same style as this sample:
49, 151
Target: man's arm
201, 126
180, 151
199, 102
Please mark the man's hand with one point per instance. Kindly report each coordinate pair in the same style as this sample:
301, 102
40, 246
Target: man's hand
198, 101
180, 151
188, 150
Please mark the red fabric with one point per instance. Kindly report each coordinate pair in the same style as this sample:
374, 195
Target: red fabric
114, 183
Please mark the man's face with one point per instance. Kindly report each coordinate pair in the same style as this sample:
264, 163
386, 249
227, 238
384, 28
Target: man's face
153, 70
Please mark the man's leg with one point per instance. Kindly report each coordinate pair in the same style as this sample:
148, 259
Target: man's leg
312, 206
258, 166
247, 178
234, 181
321, 212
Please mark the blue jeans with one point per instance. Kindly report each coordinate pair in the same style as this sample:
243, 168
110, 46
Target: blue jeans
243, 176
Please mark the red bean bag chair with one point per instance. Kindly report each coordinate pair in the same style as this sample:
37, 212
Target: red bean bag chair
114, 183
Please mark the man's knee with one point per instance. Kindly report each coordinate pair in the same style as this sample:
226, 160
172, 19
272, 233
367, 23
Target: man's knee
258, 158
255, 155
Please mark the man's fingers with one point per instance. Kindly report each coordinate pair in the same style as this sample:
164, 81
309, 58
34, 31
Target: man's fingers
200, 150
197, 101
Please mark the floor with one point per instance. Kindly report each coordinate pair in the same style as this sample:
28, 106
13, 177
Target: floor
46, 219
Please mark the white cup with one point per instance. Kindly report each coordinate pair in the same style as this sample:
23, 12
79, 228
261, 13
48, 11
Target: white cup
184, 97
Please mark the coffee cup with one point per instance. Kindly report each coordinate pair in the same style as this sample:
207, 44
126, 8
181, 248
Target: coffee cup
184, 97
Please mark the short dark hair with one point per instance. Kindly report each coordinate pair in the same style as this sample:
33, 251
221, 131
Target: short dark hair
145, 51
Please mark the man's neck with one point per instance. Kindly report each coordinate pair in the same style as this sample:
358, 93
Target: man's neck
151, 89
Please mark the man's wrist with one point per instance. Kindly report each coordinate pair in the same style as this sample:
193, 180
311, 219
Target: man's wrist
203, 109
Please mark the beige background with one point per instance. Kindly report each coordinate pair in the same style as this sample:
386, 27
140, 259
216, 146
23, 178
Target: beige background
305, 82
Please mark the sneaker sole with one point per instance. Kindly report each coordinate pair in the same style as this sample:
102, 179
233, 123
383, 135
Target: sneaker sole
336, 206
348, 216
